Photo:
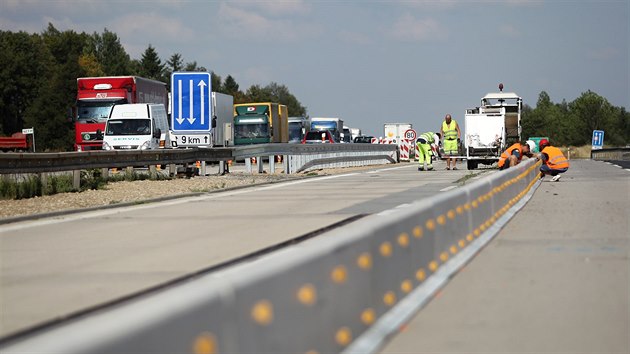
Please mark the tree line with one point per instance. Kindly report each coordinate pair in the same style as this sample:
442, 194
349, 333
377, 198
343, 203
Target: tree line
39, 71
572, 123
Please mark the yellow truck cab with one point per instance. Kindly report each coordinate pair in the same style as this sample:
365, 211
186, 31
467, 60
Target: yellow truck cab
260, 123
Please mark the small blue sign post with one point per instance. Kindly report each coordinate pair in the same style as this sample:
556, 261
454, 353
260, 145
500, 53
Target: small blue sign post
598, 139
191, 94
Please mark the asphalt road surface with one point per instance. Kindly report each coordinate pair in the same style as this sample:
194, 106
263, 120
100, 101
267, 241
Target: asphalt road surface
556, 279
52, 267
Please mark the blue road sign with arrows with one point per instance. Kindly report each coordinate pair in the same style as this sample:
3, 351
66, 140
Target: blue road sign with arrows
191, 93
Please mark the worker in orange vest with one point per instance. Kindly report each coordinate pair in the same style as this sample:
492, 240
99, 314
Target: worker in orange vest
554, 162
513, 155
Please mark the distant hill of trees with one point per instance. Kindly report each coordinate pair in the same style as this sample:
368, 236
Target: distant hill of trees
38, 79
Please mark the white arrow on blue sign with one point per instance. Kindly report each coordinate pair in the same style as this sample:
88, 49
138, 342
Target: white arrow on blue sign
598, 139
191, 94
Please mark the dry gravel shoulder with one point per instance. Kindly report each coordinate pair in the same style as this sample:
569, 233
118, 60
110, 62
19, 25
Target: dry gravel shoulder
137, 191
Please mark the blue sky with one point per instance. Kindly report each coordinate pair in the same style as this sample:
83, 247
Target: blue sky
373, 62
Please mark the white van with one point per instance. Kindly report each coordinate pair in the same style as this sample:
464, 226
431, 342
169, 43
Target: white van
139, 126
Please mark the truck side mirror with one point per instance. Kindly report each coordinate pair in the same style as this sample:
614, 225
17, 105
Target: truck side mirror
157, 134
214, 122
99, 134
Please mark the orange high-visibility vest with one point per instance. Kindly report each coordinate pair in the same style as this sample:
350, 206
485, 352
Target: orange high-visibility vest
508, 152
556, 159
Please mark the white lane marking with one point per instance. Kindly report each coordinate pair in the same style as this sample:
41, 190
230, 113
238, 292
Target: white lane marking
279, 185
389, 169
447, 188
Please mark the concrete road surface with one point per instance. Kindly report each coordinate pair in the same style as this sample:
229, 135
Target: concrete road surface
56, 266
554, 280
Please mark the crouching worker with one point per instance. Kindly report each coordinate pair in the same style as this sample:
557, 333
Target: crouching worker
423, 148
554, 162
513, 155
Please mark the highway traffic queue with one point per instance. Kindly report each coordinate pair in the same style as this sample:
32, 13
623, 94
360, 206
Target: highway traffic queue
129, 112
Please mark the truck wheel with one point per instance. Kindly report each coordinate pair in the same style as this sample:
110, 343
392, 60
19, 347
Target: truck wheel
471, 164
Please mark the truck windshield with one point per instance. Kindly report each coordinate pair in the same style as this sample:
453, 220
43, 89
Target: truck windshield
95, 111
295, 131
324, 125
249, 131
128, 127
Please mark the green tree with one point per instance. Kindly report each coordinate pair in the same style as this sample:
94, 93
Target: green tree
533, 120
90, 65
174, 64
230, 87
48, 111
150, 65
591, 112
622, 123
110, 53
26, 67
216, 82
275, 92
192, 66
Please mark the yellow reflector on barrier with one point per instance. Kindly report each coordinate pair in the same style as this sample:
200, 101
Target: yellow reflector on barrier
368, 316
403, 240
389, 298
262, 312
406, 286
364, 261
307, 294
339, 274
343, 336
385, 249
205, 343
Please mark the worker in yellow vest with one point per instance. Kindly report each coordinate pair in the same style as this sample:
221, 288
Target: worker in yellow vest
554, 162
426, 144
451, 136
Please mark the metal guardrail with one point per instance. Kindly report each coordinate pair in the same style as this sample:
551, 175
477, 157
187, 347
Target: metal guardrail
615, 154
13, 163
342, 292
66, 161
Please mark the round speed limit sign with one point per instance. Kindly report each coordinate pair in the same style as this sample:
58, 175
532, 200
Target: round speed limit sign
410, 134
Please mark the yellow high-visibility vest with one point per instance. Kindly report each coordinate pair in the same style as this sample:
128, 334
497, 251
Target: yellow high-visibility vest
450, 132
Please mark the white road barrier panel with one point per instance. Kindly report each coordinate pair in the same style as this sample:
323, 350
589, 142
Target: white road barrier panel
345, 291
